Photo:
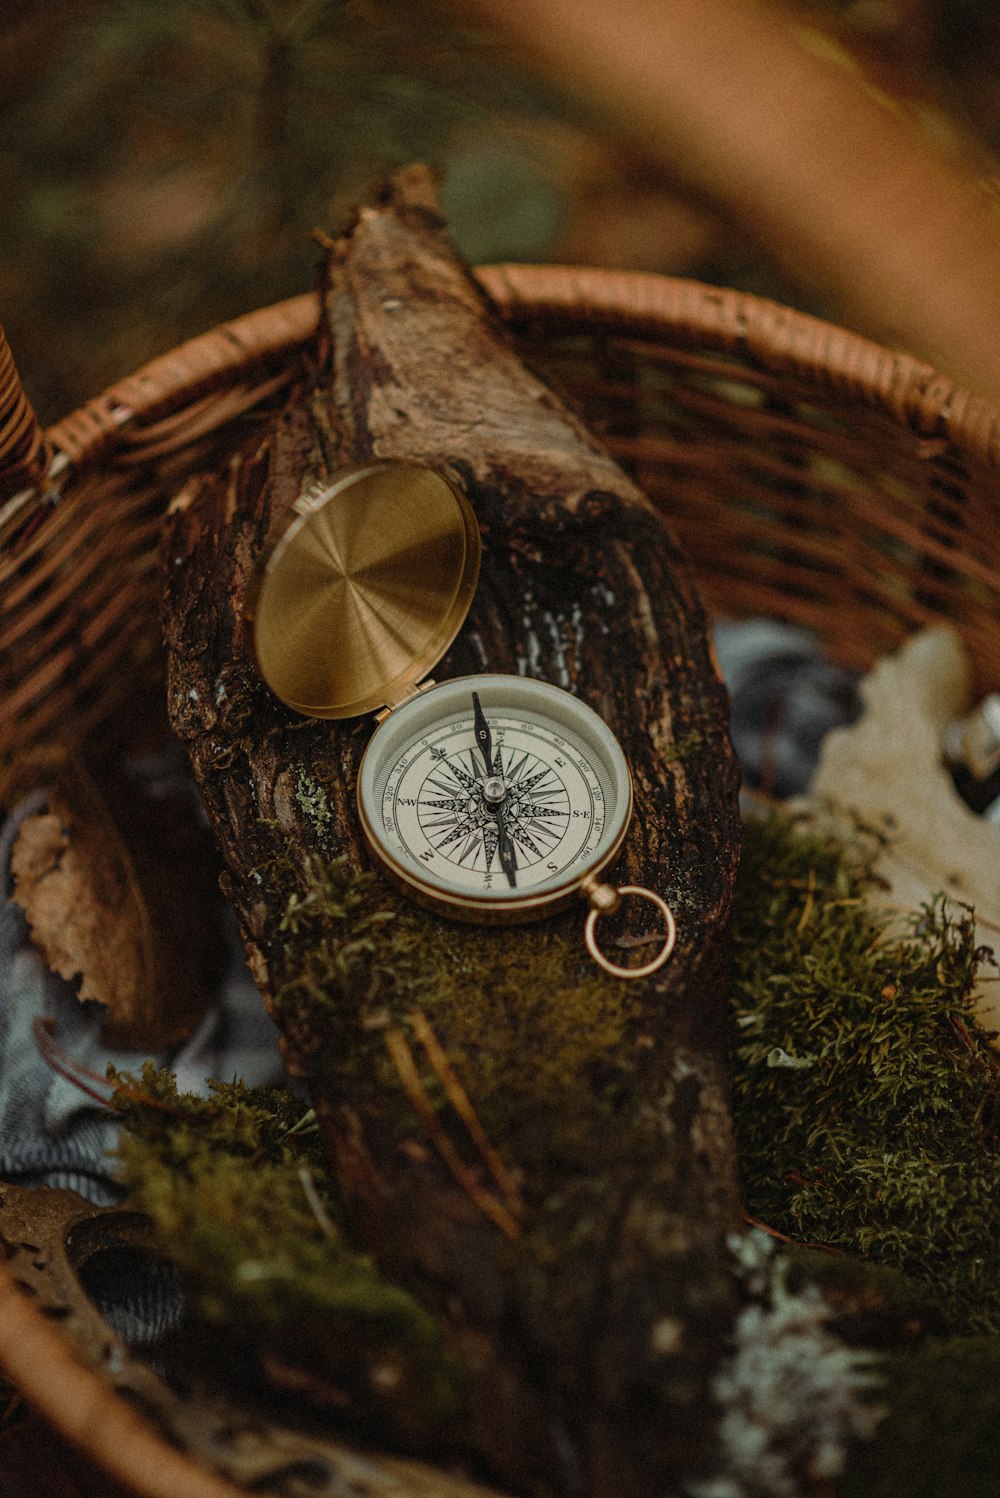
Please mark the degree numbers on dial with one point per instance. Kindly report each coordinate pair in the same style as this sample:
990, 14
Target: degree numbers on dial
433, 808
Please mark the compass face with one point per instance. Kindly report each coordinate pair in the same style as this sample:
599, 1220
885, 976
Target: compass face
494, 793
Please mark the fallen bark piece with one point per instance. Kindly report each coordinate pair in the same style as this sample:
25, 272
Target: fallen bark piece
538, 1151
104, 910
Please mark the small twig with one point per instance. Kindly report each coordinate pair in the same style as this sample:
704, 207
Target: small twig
631, 943
82, 1077
405, 1065
825, 1248
462, 1104
809, 904
962, 1031
64, 1066
305, 1125
316, 1206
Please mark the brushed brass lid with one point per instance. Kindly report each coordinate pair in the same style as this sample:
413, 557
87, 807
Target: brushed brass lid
366, 589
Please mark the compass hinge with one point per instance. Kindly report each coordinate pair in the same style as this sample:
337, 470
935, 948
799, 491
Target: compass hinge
406, 692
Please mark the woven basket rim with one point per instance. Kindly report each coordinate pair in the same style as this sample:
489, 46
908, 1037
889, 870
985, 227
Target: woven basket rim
775, 337
134, 418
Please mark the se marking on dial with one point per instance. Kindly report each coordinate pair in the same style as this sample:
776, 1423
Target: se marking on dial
434, 807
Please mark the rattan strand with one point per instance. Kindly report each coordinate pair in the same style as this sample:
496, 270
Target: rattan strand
808, 473
226, 370
23, 453
769, 335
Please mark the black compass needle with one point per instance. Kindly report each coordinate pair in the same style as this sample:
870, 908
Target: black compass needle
482, 731
505, 847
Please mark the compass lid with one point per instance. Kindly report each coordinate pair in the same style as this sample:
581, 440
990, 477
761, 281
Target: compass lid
366, 589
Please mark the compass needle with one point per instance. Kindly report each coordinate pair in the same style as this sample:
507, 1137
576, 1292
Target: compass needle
484, 738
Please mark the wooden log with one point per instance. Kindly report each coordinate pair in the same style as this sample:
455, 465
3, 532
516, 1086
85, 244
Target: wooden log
577, 1262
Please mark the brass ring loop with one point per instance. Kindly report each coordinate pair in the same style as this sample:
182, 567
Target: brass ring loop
669, 940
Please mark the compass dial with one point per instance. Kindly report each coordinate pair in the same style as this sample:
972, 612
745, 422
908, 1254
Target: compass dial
494, 792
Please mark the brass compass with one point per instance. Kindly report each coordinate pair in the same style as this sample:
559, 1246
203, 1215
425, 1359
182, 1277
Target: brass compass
489, 798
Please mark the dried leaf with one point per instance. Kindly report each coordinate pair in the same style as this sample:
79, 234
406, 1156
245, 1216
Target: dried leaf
98, 923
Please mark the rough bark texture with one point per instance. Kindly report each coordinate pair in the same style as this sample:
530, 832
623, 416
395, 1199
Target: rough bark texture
588, 1339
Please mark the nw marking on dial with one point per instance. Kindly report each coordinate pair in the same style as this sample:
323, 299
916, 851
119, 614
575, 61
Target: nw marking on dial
458, 824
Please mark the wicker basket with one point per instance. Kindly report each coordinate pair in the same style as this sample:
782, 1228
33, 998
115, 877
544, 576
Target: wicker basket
811, 475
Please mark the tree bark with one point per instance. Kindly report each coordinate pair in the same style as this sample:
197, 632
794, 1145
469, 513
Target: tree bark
588, 1319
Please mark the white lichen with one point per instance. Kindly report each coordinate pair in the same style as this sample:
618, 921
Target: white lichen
781, 1058
792, 1397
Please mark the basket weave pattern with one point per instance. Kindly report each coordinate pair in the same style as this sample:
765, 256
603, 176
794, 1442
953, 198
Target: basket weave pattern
810, 474
23, 456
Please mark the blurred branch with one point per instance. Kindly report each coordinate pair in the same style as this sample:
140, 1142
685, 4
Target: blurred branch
830, 179
163, 165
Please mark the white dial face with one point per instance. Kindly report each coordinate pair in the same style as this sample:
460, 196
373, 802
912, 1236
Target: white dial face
494, 789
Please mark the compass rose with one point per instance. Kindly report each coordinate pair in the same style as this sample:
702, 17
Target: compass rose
459, 823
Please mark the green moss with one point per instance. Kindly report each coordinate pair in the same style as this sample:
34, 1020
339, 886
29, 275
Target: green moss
531, 1026
689, 744
334, 963
866, 1096
241, 1202
866, 1104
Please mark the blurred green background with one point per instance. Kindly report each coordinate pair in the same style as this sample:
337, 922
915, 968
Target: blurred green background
162, 162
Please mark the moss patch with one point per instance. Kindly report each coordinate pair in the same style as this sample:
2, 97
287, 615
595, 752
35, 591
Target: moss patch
241, 1202
866, 1097
533, 1029
866, 1105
